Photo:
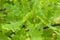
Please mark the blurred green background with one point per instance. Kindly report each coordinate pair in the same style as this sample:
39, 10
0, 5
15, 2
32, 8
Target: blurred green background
29, 19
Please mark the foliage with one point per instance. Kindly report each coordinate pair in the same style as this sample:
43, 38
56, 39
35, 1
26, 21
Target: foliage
29, 19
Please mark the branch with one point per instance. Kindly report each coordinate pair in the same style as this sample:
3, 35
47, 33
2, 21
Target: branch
54, 25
